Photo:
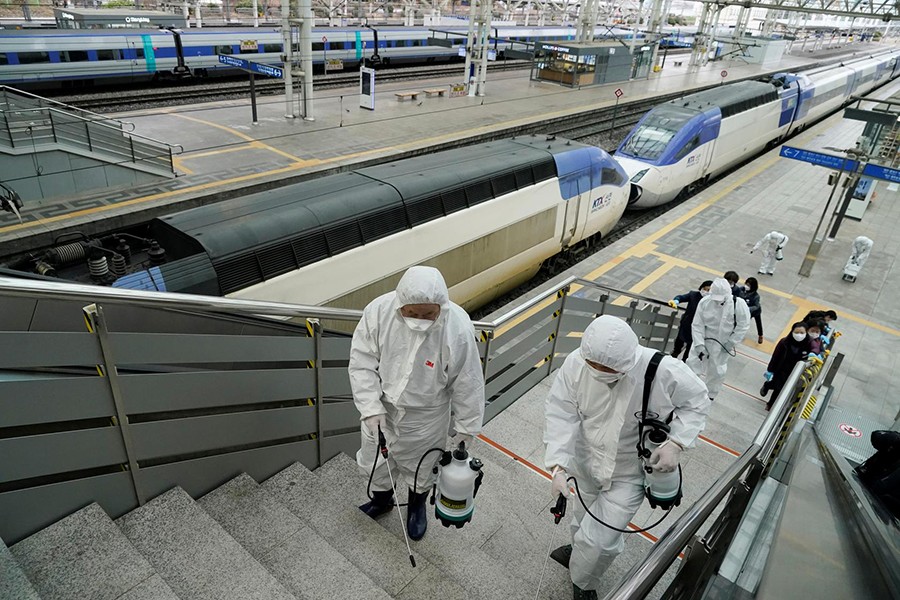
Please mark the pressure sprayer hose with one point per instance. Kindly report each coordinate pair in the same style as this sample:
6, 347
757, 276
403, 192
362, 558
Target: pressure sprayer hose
593, 516
415, 479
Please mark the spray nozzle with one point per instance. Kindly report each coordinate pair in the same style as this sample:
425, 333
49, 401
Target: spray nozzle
382, 443
460, 452
559, 511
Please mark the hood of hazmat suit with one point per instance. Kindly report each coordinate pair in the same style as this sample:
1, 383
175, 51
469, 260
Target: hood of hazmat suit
720, 289
584, 415
423, 285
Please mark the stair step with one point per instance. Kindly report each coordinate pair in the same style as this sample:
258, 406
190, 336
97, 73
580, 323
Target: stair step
82, 556
13, 582
481, 575
154, 588
195, 556
297, 556
329, 512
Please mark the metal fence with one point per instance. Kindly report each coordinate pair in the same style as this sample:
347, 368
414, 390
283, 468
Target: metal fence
30, 122
115, 396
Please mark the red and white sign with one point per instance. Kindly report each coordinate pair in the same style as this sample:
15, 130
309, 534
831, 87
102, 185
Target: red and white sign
324, 39
619, 93
850, 430
724, 73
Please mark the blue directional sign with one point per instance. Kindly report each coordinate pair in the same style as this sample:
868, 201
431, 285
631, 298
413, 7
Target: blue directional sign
261, 69
819, 158
879, 172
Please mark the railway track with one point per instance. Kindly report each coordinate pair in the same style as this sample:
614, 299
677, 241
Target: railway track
189, 93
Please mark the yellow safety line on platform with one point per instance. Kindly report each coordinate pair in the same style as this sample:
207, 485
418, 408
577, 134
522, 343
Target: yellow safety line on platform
253, 141
240, 148
178, 164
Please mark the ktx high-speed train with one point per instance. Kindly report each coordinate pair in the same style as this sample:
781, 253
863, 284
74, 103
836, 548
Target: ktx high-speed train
46, 59
487, 216
683, 143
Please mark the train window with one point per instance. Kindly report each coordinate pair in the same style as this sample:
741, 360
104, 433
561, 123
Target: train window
609, 176
139, 53
247, 51
73, 56
335, 45
223, 50
273, 48
417, 42
106, 55
30, 58
318, 46
688, 147
3, 59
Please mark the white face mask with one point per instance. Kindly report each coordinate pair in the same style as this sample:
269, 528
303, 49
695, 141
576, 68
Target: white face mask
607, 378
799, 336
418, 324
704, 293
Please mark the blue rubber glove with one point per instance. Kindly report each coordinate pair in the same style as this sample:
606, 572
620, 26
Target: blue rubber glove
769, 375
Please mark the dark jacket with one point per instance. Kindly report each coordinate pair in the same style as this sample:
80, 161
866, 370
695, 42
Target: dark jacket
752, 300
787, 352
693, 299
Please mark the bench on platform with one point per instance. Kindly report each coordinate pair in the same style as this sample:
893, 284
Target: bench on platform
439, 91
401, 96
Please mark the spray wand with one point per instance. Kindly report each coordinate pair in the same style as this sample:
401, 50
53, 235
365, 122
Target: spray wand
382, 444
558, 511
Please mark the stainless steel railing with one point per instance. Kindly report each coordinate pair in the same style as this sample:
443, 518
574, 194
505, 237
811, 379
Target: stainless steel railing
12, 96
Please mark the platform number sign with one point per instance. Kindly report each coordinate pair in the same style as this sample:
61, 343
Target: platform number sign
619, 93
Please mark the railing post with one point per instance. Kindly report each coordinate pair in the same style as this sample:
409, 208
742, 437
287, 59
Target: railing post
131, 143
12, 140
97, 322
314, 326
489, 337
53, 127
563, 293
87, 130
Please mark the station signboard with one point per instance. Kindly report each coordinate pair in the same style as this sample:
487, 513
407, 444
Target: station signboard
250, 66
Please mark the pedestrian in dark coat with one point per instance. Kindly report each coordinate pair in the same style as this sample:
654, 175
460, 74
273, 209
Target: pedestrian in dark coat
684, 339
790, 349
750, 294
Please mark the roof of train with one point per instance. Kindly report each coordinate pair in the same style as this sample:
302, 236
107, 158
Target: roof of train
240, 224
731, 98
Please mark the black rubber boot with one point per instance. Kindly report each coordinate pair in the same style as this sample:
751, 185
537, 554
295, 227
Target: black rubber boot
562, 555
580, 594
381, 503
416, 516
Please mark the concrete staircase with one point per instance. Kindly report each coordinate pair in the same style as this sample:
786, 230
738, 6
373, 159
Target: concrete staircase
298, 535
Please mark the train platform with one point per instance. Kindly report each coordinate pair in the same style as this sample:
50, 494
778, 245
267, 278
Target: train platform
710, 234
225, 155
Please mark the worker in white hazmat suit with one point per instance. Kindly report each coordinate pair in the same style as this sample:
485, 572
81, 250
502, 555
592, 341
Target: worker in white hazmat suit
413, 359
862, 247
719, 326
591, 433
772, 244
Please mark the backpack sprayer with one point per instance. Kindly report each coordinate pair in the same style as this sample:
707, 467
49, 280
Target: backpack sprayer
453, 494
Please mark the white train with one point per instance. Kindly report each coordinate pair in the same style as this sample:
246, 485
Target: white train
487, 216
75, 57
681, 144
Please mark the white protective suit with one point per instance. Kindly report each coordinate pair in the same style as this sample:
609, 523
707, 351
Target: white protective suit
720, 323
771, 244
592, 432
415, 378
862, 247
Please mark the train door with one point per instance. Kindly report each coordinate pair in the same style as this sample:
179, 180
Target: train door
570, 220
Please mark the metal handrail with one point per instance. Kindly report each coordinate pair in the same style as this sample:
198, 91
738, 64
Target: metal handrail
641, 579
52, 110
53, 290
7, 89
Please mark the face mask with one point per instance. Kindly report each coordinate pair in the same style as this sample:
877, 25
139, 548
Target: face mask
704, 293
418, 324
607, 378
799, 336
